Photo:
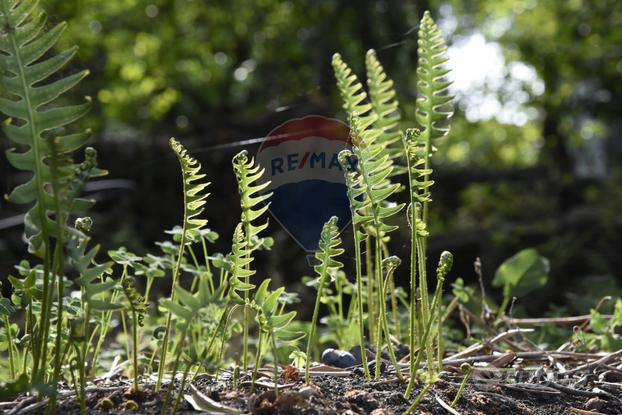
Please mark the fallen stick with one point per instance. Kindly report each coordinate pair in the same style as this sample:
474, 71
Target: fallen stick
559, 321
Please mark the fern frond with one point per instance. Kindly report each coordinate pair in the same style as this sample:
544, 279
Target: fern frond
329, 249
420, 183
269, 319
433, 106
352, 93
248, 174
240, 259
187, 306
327, 266
371, 199
384, 103
193, 188
35, 118
91, 273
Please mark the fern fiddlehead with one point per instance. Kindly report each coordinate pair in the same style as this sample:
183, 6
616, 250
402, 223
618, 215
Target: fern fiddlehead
327, 264
248, 173
194, 199
138, 307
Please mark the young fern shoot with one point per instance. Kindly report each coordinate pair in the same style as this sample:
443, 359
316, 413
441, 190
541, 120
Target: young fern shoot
372, 204
194, 199
248, 175
433, 105
354, 193
326, 267
138, 308
431, 111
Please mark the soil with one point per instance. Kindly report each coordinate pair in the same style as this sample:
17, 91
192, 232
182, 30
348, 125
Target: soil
335, 395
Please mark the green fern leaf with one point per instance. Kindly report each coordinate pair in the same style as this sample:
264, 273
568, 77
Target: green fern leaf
193, 189
248, 175
240, 259
35, 119
327, 266
91, 278
386, 106
433, 106
269, 319
352, 93
371, 180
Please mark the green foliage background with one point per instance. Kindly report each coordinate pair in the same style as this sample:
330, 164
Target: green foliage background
222, 71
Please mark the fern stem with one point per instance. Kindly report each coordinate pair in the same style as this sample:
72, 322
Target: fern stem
385, 327
208, 267
378, 279
417, 401
359, 298
391, 288
169, 315
180, 392
316, 309
125, 335
171, 385
275, 356
42, 335
257, 361
371, 309
412, 343
428, 328
103, 329
84, 352
58, 267
425, 302
7, 327
135, 348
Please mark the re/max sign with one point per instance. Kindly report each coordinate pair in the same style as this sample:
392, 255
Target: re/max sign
309, 159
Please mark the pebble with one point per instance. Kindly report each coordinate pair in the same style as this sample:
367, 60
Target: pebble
356, 352
338, 358
308, 391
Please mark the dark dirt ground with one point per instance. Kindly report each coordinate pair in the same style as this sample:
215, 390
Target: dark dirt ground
336, 395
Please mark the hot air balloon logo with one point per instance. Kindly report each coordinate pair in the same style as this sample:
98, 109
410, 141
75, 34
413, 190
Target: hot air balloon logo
301, 161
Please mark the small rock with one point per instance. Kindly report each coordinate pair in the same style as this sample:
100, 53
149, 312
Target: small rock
379, 411
595, 404
356, 352
309, 391
338, 358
